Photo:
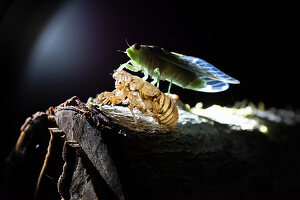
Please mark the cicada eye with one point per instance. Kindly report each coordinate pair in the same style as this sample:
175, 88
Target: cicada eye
137, 46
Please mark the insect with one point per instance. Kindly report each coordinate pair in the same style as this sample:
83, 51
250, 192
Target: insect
185, 71
147, 98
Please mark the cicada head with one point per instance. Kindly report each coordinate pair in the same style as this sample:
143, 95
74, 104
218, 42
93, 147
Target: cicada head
137, 53
122, 78
144, 56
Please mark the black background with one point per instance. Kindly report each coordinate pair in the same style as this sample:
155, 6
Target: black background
252, 42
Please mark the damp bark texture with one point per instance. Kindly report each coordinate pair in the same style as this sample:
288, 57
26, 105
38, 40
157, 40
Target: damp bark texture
75, 151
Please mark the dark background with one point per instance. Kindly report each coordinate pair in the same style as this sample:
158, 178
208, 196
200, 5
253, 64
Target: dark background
52, 50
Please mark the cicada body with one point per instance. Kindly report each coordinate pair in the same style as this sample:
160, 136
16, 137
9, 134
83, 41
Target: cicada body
185, 71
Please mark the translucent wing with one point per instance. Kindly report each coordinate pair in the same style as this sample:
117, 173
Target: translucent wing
212, 85
193, 64
201, 67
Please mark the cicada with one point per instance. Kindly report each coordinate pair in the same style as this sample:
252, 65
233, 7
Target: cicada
185, 71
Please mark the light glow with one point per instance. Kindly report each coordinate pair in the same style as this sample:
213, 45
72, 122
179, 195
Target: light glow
237, 118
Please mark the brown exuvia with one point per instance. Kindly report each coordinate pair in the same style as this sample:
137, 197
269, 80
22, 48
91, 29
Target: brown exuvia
144, 96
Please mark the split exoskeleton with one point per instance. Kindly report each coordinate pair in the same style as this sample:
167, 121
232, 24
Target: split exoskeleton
137, 93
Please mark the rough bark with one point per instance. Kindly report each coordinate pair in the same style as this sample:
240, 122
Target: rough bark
99, 154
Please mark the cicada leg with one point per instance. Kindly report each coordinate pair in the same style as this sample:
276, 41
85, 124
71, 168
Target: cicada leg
132, 66
156, 77
145, 75
169, 88
123, 66
103, 98
106, 97
154, 81
157, 72
131, 106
